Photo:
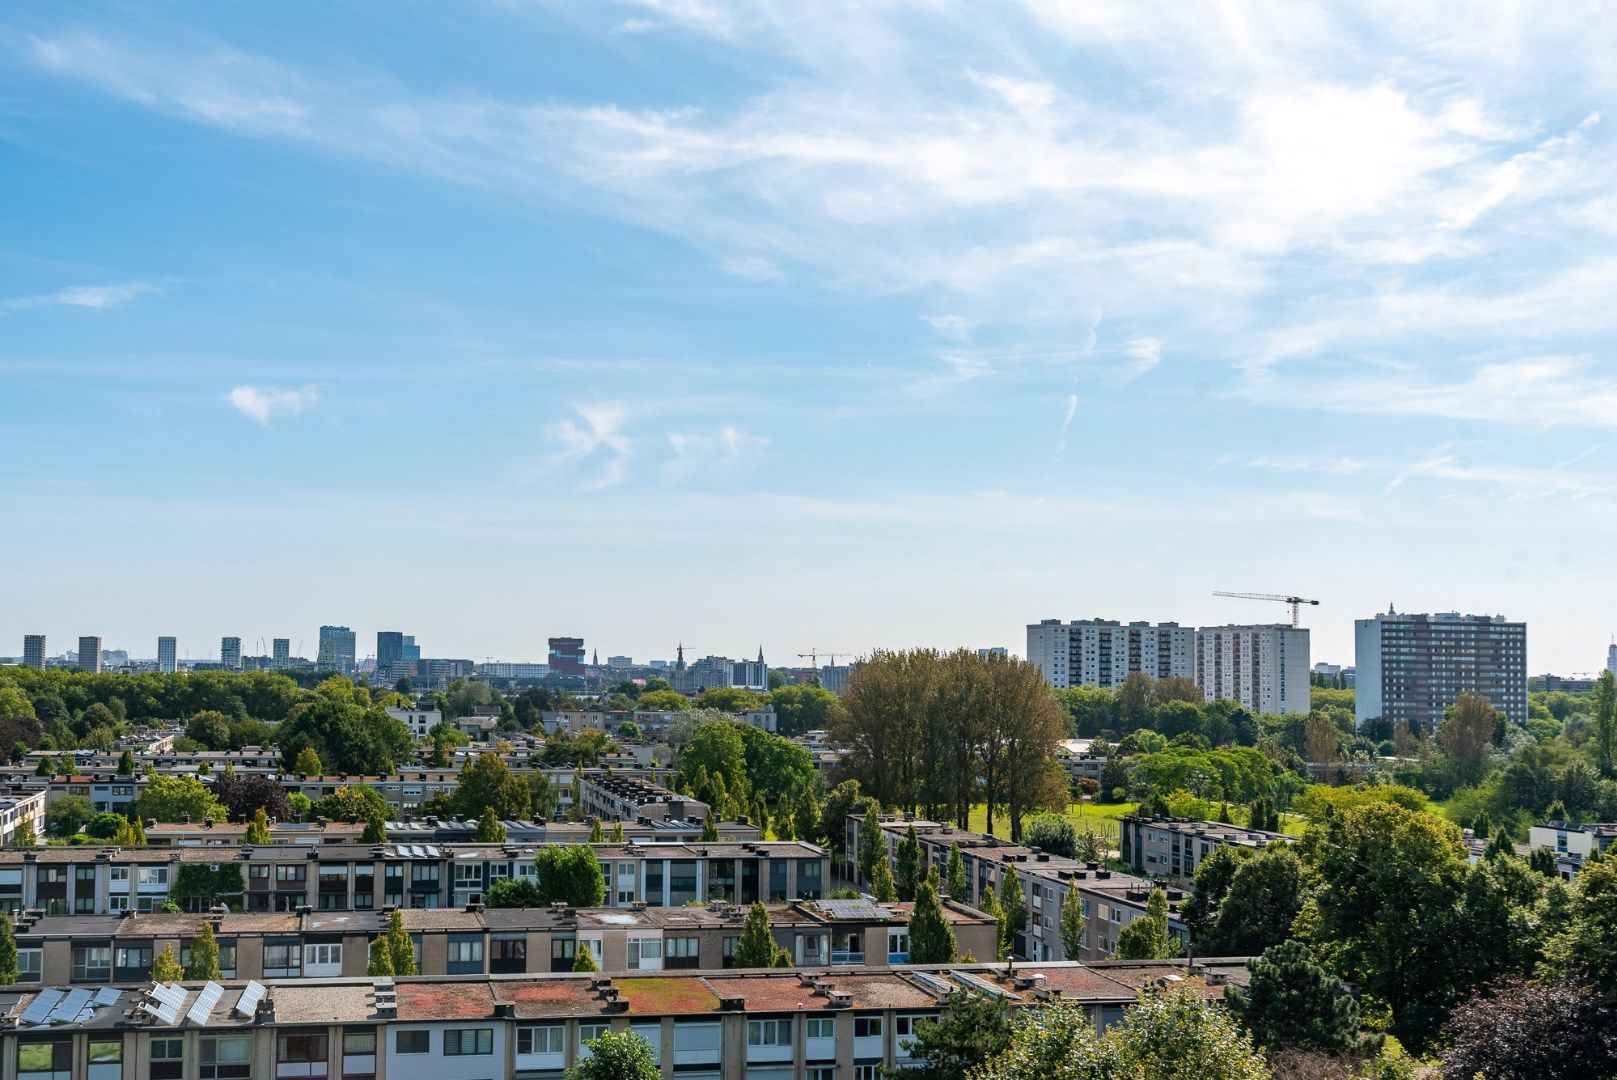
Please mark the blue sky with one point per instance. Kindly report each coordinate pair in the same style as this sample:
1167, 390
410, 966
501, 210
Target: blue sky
813, 325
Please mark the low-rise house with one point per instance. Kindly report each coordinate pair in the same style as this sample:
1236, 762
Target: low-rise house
1572, 842
1174, 847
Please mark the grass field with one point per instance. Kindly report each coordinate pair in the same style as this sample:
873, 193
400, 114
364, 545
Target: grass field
1098, 818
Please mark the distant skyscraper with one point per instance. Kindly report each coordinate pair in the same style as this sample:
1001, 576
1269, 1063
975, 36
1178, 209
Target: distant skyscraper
90, 653
337, 649
168, 660
282, 651
1611, 658
1099, 652
567, 655
389, 651
412, 651
1265, 668
230, 653
33, 651
1410, 668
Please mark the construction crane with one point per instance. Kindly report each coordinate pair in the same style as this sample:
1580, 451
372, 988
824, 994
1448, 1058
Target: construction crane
813, 656
1295, 601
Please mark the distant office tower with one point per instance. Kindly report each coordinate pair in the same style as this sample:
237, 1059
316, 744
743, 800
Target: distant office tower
90, 653
567, 655
1265, 668
411, 651
1101, 652
230, 653
1410, 668
1611, 658
168, 658
33, 651
337, 649
282, 651
616, 662
389, 651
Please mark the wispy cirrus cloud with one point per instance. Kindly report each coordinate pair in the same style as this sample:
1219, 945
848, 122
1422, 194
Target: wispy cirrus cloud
724, 449
82, 296
265, 403
596, 437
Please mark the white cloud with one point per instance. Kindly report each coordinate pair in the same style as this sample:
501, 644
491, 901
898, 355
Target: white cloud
263, 403
84, 296
1066, 422
723, 449
599, 438
1144, 354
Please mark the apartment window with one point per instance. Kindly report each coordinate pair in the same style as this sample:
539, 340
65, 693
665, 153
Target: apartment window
550, 1039
92, 963
359, 1043
307, 1050
588, 1033
682, 952
226, 1057
867, 1072
147, 876
508, 954
294, 873
322, 955
412, 1042
769, 1033
283, 961
729, 951
168, 1059
29, 964
106, 1052
820, 1027
821, 1072
866, 1027
641, 950
46, 1059
468, 1042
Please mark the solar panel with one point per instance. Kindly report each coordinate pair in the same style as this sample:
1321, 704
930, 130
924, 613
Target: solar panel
247, 1004
37, 1012
203, 1008
108, 995
171, 994
68, 1009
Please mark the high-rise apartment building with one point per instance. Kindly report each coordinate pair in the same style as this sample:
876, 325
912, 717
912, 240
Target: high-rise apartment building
411, 652
90, 654
168, 655
230, 653
567, 655
1102, 652
389, 651
336, 649
1410, 668
1265, 668
1611, 658
281, 651
33, 651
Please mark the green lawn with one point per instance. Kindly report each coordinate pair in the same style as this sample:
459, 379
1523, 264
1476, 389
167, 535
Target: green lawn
1098, 818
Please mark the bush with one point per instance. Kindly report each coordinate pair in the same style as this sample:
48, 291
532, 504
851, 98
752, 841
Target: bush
1052, 833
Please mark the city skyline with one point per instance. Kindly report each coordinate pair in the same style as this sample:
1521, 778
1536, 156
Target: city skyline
920, 326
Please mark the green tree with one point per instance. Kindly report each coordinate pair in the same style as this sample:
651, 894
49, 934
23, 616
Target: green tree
490, 830
211, 728
806, 815
1389, 903
1180, 1034
1002, 940
1265, 894
841, 801
597, 834
955, 876
1073, 925
1147, 937
1012, 901
570, 873
68, 814
165, 968
308, 763
375, 829
258, 830
381, 958
872, 843
24, 835
730, 699
617, 1055
8, 952
583, 959
756, 947
710, 830
973, 1030
401, 950
881, 883
616, 836
204, 963
513, 893
126, 764
932, 940
1605, 718
489, 782
909, 864
1466, 733
663, 701
178, 798
1291, 1001
1208, 890
802, 708
352, 802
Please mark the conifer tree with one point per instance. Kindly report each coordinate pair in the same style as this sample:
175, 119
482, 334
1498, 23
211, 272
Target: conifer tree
1012, 900
399, 945
204, 954
166, 969
909, 865
756, 947
932, 939
375, 830
381, 959
490, 830
258, 831
8, 952
710, 830
959, 888
583, 959
1073, 924
881, 883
